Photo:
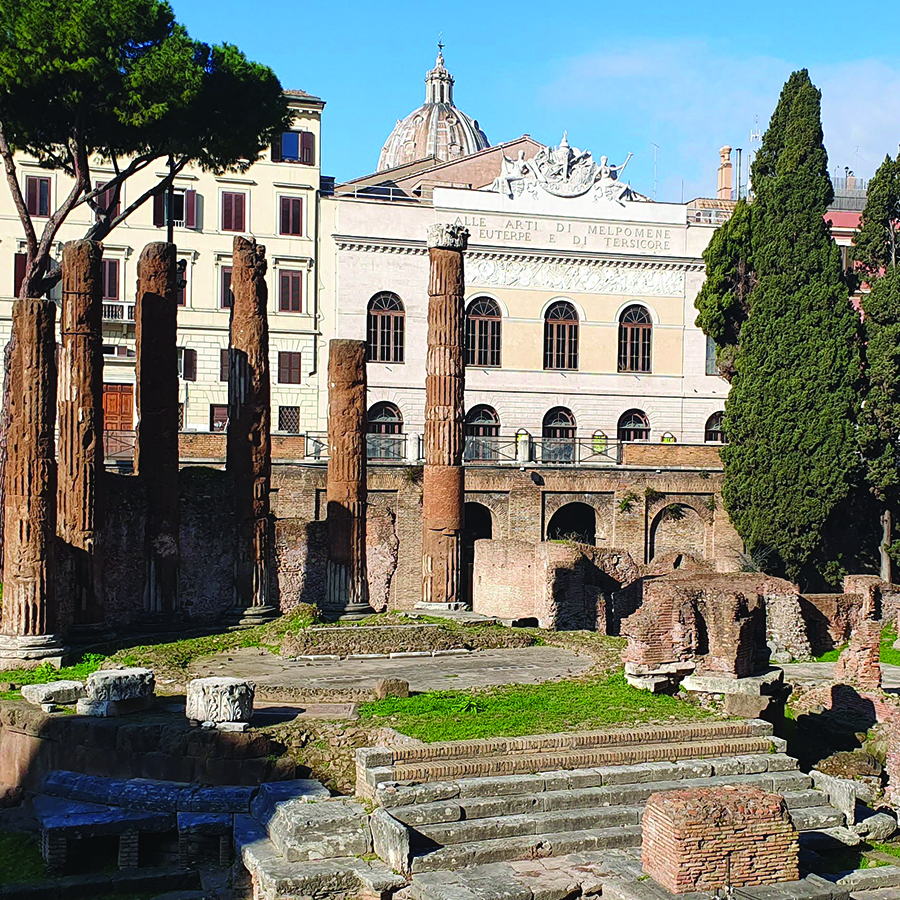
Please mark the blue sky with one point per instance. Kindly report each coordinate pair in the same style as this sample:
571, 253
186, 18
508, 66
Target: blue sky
687, 76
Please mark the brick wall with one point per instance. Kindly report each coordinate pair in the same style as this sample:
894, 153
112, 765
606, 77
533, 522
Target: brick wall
700, 456
504, 580
703, 839
194, 445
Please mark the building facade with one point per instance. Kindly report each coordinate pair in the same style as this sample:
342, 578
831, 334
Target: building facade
275, 201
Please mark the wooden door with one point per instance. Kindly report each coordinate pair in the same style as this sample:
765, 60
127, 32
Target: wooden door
118, 407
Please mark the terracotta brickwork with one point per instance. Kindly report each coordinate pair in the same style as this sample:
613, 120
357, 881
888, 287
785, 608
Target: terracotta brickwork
859, 663
210, 446
706, 456
703, 839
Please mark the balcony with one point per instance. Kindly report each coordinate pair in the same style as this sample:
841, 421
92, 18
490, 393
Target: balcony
118, 312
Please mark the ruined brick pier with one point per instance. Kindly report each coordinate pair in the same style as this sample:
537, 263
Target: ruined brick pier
443, 484
346, 586
29, 600
80, 493
156, 448
249, 451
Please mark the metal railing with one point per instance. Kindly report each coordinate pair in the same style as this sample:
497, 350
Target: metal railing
118, 312
118, 445
386, 447
378, 192
576, 451
316, 445
490, 450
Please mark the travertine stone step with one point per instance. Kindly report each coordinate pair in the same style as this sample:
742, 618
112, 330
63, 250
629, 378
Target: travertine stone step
327, 829
820, 816
879, 878
478, 853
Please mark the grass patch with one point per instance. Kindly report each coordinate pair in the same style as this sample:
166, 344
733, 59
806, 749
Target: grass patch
890, 849
20, 859
888, 654
514, 710
45, 673
830, 655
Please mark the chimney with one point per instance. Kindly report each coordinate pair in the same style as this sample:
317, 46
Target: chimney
723, 191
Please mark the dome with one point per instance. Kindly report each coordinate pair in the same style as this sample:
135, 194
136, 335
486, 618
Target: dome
437, 128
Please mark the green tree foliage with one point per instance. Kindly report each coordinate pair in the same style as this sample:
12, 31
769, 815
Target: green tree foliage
791, 461
121, 81
877, 242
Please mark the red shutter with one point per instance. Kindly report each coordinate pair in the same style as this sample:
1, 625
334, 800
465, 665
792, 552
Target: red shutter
19, 274
297, 217
239, 211
110, 279
226, 299
31, 195
276, 150
189, 365
159, 210
227, 212
285, 215
190, 209
223, 364
307, 148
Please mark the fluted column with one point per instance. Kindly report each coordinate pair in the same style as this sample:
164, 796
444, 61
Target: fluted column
249, 452
443, 482
80, 489
346, 584
29, 620
156, 447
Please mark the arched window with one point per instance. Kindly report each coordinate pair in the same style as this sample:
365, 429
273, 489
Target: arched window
635, 340
714, 433
558, 436
634, 426
385, 439
483, 333
482, 433
385, 328
561, 336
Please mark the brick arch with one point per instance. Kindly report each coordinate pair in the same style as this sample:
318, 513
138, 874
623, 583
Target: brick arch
688, 534
600, 503
498, 504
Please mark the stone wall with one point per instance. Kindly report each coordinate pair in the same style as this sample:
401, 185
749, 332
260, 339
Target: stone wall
504, 580
703, 839
830, 618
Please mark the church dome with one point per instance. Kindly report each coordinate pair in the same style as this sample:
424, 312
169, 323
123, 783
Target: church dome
437, 128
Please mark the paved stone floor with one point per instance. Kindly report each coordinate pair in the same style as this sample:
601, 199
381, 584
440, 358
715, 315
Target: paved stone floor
522, 665
809, 672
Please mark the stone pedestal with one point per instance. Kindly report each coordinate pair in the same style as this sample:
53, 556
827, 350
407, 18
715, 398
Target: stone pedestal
80, 401
29, 620
248, 449
346, 585
156, 446
117, 692
218, 700
443, 479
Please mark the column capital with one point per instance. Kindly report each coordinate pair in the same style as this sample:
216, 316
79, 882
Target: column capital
447, 237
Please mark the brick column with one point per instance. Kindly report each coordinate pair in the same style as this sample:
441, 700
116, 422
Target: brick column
249, 451
156, 447
29, 599
80, 490
443, 484
346, 585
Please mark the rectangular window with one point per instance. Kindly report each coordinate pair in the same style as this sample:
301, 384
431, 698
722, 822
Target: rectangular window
223, 364
711, 366
37, 195
233, 206
110, 280
288, 367
184, 209
295, 146
290, 291
226, 297
188, 360
104, 200
218, 416
19, 272
289, 419
291, 215
181, 417
181, 284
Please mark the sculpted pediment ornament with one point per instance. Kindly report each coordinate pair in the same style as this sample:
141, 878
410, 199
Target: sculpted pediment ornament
563, 171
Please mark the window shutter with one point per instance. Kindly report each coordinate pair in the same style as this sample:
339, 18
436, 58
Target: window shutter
226, 299
190, 209
277, 155
31, 195
227, 212
110, 279
307, 148
285, 215
239, 211
19, 275
223, 364
296, 213
189, 365
159, 210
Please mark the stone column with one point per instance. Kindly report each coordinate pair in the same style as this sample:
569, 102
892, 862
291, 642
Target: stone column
80, 490
346, 585
249, 451
156, 447
443, 485
29, 617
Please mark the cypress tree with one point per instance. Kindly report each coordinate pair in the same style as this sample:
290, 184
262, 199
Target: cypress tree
792, 457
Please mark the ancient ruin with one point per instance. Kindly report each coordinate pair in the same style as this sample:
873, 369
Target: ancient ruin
80, 466
249, 452
156, 445
858, 663
443, 486
346, 583
29, 619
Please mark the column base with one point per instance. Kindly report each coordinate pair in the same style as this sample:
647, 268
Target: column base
25, 650
248, 616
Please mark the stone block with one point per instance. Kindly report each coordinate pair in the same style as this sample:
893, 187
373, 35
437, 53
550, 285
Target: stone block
62, 692
272, 794
119, 684
746, 706
204, 823
113, 708
227, 799
391, 687
390, 840
222, 699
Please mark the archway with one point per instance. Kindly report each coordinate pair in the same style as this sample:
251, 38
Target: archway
574, 521
677, 528
478, 525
